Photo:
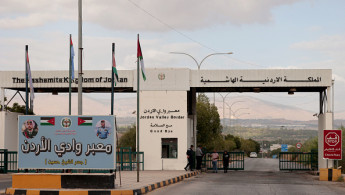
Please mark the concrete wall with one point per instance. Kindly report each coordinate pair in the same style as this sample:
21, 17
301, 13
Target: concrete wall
164, 111
325, 123
9, 130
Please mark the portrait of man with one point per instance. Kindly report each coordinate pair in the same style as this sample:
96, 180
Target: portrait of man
30, 129
103, 129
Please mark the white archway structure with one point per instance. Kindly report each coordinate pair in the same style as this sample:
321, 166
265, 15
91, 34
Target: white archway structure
168, 100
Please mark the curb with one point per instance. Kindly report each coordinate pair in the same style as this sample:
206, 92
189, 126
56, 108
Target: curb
139, 191
157, 185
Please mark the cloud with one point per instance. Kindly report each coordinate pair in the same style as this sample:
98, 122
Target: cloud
330, 45
51, 52
148, 15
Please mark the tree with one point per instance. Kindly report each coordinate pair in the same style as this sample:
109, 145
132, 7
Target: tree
129, 138
208, 124
19, 108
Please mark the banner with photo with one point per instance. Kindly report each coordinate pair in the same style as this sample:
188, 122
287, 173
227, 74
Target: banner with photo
66, 142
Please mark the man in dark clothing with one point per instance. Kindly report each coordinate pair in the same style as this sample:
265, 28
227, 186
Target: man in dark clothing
226, 157
190, 157
199, 154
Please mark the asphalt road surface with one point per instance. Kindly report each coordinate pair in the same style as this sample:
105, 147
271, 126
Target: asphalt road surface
261, 176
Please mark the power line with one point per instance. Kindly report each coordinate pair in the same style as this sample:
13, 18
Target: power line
186, 36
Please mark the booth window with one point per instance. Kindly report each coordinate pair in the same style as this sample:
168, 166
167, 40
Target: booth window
169, 147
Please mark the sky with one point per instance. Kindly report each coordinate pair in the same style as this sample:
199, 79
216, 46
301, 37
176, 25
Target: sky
266, 34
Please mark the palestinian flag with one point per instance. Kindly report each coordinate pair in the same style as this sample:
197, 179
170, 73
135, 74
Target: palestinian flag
84, 121
141, 60
47, 121
114, 66
71, 48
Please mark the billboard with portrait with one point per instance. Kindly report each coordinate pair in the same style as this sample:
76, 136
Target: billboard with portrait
66, 142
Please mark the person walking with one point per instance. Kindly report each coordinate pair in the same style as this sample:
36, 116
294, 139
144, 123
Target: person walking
199, 154
190, 155
214, 157
226, 157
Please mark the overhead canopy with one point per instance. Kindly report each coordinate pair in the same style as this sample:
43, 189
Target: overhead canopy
170, 79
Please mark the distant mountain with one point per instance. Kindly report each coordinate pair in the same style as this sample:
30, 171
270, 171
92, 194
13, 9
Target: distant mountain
47, 104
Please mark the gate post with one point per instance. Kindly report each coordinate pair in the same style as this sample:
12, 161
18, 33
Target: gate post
325, 122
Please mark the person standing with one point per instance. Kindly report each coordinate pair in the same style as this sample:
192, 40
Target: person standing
190, 155
214, 157
226, 157
199, 154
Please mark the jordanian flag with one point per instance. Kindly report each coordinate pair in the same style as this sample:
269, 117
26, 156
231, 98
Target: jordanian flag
47, 121
114, 68
141, 60
84, 121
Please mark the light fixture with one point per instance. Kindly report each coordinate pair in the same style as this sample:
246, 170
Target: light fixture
292, 91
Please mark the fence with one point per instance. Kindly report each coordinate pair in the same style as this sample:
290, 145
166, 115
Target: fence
298, 161
236, 161
125, 161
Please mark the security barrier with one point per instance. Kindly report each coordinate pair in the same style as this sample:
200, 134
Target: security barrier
236, 161
298, 161
126, 160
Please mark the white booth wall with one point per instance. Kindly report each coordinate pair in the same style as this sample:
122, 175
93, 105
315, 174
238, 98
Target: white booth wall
163, 114
9, 130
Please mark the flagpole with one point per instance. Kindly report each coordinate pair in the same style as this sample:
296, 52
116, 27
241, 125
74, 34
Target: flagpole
138, 91
80, 50
26, 80
112, 80
70, 77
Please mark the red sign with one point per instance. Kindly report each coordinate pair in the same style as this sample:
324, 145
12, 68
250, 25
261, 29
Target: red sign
298, 145
332, 144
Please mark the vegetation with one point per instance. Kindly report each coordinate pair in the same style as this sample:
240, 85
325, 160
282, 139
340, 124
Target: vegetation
129, 138
208, 124
16, 108
209, 130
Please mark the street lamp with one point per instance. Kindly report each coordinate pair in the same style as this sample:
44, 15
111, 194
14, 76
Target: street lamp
242, 114
230, 109
239, 110
224, 108
202, 59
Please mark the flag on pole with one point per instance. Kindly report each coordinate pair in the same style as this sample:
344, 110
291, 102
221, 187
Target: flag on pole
114, 68
141, 60
32, 95
72, 58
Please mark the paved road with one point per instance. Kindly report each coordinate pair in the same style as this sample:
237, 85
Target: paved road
261, 164
5, 182
266, 180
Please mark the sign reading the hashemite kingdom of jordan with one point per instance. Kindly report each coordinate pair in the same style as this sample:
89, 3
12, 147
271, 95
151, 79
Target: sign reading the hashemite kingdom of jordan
66, 142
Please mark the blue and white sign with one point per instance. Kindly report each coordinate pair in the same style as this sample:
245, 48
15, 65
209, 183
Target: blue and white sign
66, 142
284, 148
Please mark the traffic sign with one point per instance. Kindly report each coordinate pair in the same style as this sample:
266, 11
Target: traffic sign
298, 145
332, 144
284, 148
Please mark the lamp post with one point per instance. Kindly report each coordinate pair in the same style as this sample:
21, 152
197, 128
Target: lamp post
199, 65
239, 110
231, 110
224, 108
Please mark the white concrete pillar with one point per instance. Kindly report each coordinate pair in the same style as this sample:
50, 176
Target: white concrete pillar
2, 98
329, 100
325, 123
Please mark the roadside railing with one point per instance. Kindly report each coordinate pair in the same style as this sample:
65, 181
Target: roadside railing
125, 160
236, 161
298, 161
